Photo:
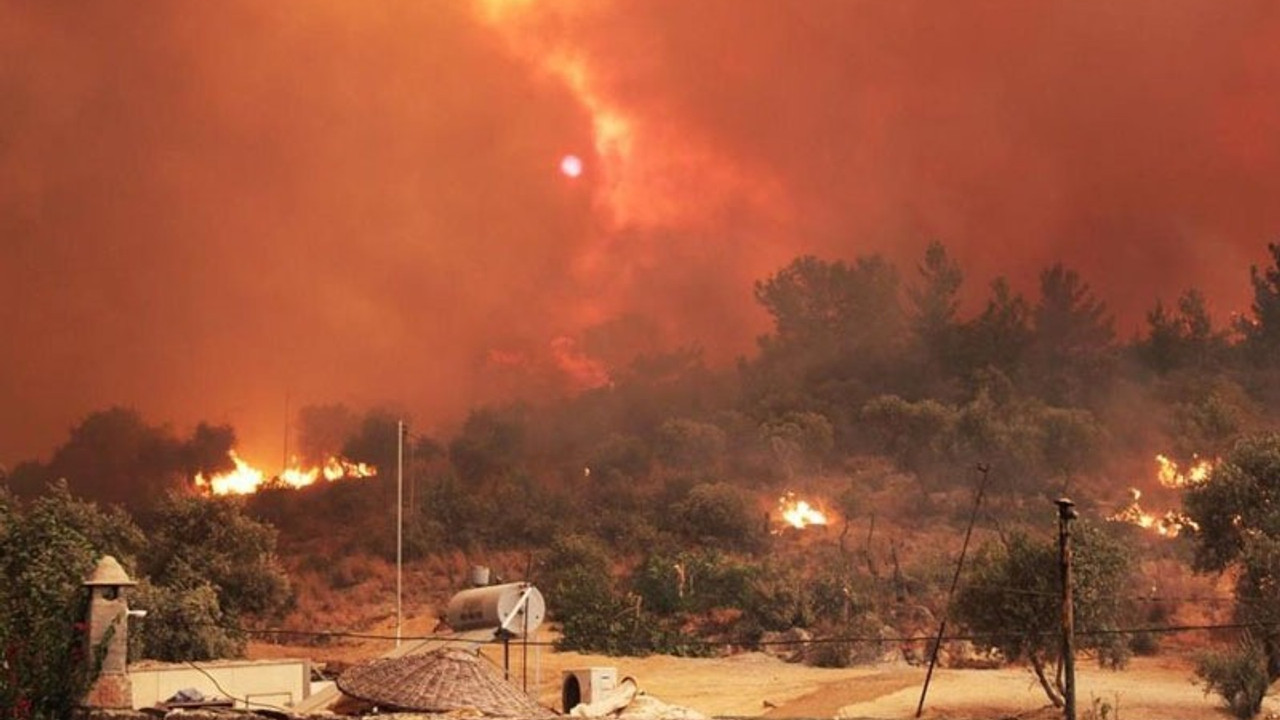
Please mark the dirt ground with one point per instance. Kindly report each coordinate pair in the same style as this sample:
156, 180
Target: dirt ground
753, 685
758, 685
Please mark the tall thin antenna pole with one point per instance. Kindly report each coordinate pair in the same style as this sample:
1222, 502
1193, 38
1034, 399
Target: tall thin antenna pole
399, 525
413, 483
955, 580
284, 462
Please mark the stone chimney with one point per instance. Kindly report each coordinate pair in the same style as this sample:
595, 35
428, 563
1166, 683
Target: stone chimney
109, 635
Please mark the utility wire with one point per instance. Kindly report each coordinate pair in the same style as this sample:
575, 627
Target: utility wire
247, 702
1157, 629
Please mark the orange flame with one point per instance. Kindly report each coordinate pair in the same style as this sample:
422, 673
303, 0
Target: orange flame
247, 479
1172, 522
1171, 477
244, 479
799, 513
1169, 524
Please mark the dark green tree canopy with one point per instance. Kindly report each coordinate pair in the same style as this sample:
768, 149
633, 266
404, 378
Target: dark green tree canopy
195, 541
999, 337
832, 305
47, 548
1072, 339
114, 456
1237, 515
1184, 339
1261, 331
1238, 503
491, 444
935, 302
1013, 597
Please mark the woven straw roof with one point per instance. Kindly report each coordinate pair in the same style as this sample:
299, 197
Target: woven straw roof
445, 680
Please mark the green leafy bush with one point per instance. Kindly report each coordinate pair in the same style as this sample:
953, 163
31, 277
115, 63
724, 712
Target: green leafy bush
46, 550
181, 624
1238, 676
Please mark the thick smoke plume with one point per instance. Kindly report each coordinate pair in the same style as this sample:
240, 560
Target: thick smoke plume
206, 209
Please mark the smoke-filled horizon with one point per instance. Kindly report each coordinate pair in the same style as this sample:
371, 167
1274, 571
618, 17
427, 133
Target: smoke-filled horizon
223, 211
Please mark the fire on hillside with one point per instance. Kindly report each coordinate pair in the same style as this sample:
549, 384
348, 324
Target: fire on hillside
1171, 522
1172, 477
247, 478
799, 513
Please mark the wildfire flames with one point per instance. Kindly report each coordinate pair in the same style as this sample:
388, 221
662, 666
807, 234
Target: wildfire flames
1167, 525
1171, 477
1171, 523
246, 478
799, 513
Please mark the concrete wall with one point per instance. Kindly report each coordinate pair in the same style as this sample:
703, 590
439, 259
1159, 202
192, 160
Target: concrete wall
250, 683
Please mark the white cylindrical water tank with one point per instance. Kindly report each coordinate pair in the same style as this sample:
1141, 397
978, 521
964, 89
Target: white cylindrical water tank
517, 608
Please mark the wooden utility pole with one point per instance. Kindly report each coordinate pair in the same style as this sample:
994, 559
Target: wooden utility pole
1067, 513
400, 433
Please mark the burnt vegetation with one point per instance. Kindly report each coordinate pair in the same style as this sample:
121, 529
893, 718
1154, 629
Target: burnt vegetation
646, 508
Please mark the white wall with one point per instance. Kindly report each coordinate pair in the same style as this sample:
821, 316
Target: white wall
251, 683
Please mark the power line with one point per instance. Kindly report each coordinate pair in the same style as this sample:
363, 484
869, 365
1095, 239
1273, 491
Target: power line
246, 700
972, 637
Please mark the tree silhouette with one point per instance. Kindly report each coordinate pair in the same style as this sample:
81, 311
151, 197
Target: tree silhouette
1261, 331
935, 302
1184, 339
1001, 334
1072, 339
114, 456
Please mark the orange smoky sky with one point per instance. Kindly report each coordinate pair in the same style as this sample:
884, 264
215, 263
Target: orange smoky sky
217, 211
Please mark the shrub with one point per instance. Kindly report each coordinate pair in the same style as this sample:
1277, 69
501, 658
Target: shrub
181, 624
593, 618
719, 514
1238, 676
1144, 644
47, 548
832, 654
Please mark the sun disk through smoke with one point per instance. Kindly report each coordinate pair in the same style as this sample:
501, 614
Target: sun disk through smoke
571, 166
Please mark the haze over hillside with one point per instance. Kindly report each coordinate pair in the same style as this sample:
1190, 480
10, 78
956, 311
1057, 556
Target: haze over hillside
222, 212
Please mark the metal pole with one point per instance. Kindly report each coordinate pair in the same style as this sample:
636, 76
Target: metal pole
1067, 513
524, 660
955, 580
413, 483
284, 461
399, 524
506, 656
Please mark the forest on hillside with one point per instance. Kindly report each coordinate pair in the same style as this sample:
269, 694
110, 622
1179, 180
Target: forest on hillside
646, 507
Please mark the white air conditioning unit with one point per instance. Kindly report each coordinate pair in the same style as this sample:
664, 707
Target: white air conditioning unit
586, 685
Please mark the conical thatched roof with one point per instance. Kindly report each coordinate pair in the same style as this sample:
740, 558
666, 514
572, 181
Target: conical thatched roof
441, 681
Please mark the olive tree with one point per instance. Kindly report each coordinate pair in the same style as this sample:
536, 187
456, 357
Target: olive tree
1012, 598
1236, 511
211, 560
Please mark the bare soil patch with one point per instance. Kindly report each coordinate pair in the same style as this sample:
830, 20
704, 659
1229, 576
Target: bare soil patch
758, 685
